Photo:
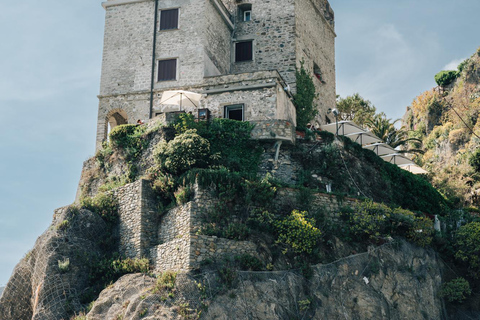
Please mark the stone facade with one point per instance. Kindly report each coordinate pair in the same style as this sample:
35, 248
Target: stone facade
284, 34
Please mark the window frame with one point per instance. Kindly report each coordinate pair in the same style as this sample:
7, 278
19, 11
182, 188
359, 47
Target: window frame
251, 53
249, 12
160, 19
231, 107
158, 69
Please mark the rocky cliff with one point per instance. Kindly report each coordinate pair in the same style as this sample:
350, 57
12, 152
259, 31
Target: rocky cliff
446, 119
174, 223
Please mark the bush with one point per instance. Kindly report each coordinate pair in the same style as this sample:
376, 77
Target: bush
188, 150
130, 138
103, 204
64, 265
249, 263
468, 245
299, 231
370, 220
456, 290
474, 160
444, 78
303, 100
166, 281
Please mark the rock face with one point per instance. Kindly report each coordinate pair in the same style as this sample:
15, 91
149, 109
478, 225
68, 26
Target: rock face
40, 287
395, 281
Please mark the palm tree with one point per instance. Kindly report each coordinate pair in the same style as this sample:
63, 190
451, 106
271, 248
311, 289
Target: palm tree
384, 128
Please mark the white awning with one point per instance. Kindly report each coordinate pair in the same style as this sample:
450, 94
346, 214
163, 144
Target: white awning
397, 158
380, 149
364, 137
344, 127
413, 168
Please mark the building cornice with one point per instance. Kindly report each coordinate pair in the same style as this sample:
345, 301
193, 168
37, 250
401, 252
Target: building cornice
107, 4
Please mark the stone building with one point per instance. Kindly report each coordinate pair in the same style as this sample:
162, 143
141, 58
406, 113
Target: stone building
240, 55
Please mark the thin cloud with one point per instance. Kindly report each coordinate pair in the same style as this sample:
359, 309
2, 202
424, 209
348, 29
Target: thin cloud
452, 65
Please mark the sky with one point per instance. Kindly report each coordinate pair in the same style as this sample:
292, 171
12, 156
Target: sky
50, 60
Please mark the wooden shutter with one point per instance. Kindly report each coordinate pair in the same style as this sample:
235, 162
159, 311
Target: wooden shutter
169, 19
243, 51
167, 70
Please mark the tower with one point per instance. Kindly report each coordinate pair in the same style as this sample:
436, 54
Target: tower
241, 56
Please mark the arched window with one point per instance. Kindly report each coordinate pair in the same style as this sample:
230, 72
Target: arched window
116, 118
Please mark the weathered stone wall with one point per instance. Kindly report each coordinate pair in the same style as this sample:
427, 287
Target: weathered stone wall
274, 130
315, 43
137, 218
127, 50
204, 248
272, 29
217, 42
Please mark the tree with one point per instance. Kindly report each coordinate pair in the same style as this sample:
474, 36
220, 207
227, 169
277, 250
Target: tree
444, 78
356, 108
303, 100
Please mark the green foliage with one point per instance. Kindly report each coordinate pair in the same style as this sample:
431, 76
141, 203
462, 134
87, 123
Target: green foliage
165, 282
131, 138
64, 265
468, 245
462, 65
303, 99
183, 194
298, 231
249, 263
445, 77
103, 204
359, 109
128, 265
370, 220
474, 161
456, 290
63, 225
376, 221
187, 150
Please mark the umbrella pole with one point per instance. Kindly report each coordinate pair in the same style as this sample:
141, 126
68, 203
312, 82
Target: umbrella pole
181, 98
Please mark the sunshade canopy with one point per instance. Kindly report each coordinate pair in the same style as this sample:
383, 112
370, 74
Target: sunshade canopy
344, 127
397, 158
413, 168
364, 137
380, 149
181, 98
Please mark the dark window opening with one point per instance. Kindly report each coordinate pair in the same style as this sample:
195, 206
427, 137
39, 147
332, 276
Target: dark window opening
318, 73
245, 12
234, 112
167, 70
169, 19
244, 51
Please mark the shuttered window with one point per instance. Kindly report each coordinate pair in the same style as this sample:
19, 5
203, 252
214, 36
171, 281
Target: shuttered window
243, 51
169, 19
167, 70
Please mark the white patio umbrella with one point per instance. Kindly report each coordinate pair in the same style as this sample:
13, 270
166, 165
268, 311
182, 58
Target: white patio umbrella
363, 137
380, 149
413, 168
181, 98
397, 158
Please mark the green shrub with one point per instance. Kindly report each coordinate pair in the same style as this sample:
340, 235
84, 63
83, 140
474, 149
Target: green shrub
183, 194
298, 231
187, 150
462, 65
370, 220
236, 231
103, 204
64, 265
474, 160
444, 78
166, 281
456, 290
249, 263
468, 245
128, 265
303, 99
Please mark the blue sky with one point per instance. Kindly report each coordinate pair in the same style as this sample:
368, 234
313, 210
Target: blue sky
50, 62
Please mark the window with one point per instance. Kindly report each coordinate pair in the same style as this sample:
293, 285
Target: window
245, 12
247, 15
244, 51
234, 112
169, 19
317, 72
167, 70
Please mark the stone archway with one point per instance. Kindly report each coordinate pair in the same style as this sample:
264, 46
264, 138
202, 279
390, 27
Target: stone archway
115, 118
